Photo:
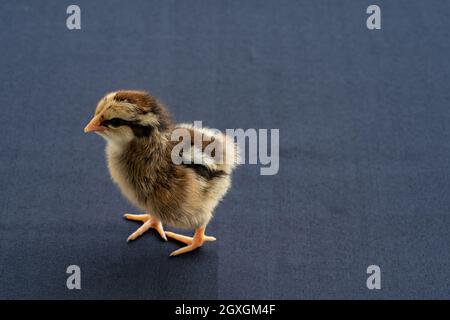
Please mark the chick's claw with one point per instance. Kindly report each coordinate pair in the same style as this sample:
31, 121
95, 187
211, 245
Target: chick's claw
148, 223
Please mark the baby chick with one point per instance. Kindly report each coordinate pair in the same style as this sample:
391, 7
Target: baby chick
138, 131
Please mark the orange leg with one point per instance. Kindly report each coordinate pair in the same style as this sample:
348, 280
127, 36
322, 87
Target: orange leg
148, 223
192, 243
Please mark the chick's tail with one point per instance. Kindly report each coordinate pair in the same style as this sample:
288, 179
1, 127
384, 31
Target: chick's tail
231, 157
213, 149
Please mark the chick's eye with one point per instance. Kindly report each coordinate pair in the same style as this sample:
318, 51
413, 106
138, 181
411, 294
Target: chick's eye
114, 122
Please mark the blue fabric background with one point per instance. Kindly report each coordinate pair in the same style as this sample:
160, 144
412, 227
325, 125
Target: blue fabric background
364, 147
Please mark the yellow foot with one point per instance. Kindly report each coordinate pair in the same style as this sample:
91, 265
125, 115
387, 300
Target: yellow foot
192, 242
148, 223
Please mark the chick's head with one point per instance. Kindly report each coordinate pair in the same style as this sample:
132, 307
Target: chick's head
126, 115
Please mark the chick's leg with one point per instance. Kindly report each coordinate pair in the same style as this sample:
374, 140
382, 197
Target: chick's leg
148, 222
192, 243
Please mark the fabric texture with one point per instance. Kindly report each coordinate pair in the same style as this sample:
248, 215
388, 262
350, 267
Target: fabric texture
364, 147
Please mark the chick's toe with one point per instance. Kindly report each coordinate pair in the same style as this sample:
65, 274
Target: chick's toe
149, 222
192, 242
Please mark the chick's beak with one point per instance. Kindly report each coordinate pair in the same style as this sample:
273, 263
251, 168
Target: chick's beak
94, 125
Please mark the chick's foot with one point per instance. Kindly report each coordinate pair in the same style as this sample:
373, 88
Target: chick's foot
192, 242
149, 222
